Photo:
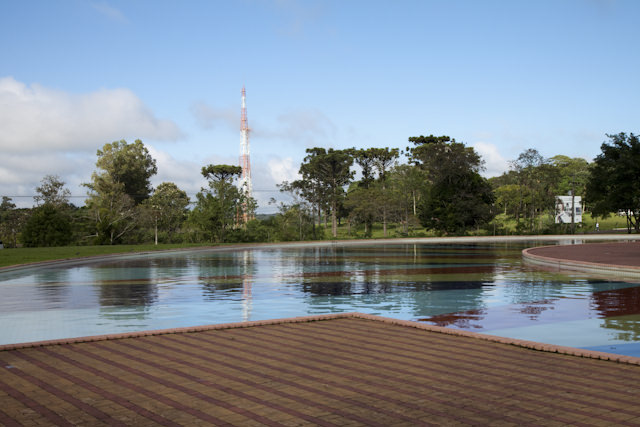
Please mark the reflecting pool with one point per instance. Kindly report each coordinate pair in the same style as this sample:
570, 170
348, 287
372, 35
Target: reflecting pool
479, 287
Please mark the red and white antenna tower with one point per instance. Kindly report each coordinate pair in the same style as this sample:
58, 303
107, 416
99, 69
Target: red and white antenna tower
245, 163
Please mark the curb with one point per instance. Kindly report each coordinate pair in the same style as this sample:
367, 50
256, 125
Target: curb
532, 345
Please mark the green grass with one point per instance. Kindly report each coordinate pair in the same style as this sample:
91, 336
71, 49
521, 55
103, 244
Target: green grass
26, 255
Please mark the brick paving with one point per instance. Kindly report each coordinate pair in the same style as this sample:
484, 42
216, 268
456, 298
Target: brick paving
348, 369
620, 253
619, 260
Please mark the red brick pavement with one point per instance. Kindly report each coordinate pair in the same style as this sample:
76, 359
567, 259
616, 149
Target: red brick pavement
349, 369
621, 253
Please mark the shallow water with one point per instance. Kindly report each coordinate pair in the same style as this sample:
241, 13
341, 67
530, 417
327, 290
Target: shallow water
483, 288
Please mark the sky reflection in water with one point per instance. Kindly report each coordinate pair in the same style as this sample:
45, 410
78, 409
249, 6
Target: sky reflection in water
483, 288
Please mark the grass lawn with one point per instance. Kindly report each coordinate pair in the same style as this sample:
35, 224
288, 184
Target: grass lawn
26, 255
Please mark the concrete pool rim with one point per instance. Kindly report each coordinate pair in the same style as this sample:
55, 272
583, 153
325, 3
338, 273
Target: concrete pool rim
532, 345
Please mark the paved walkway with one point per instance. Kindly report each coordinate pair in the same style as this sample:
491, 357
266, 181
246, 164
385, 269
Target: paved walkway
620, 259
335, 370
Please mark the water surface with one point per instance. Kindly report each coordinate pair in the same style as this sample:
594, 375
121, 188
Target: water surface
478, 287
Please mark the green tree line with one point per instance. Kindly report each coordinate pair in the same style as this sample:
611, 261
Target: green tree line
432, 186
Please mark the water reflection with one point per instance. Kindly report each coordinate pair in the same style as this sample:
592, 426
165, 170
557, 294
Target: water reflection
53, 287
477, 287
617, 302
624, 328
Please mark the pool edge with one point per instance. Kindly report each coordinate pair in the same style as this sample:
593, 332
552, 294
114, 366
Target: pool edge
532, 345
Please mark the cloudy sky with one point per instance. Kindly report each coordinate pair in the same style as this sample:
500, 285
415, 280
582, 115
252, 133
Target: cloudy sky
501, 76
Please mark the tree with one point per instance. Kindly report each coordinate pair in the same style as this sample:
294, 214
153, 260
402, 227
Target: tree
456, 196
314, 193
218, 207
383, 159
120, 184
573, 174
372, 160
11, 222
296, 218
359, 199
114, 211
330, 170
47, 226
442, 156
50, 222
407, 182
537, 178
167, 207
464, 200
615, 174
128, 164
364, 205
52, 191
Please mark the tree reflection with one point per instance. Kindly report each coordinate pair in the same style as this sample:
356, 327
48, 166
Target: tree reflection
621, 310
228, 276
126, 284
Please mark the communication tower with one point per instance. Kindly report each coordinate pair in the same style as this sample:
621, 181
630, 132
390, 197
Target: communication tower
245, 162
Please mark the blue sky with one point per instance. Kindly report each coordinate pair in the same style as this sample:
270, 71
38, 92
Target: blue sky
502, 76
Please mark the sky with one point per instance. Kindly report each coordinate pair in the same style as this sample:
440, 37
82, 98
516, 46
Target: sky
500, 76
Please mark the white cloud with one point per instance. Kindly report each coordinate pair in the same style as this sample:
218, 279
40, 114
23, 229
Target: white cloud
184, 173
495, 164
21, 173
36, 118
282, 169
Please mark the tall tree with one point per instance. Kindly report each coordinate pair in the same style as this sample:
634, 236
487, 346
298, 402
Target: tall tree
167, 207
442, 157
370, 200
330, 169
296, 218
121, 182
407, 181
573, 174
613, 184
50, 222
218, 207
113, 210
360, 199
47, 226
313, 192
128, 164
11, 222
456, 196
51, 191
384, 158
537, 178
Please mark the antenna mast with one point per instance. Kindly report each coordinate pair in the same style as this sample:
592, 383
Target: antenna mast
245, 163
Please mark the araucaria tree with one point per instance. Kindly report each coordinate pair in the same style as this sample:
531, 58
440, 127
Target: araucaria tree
613, 184
121, 182
456, 197
218, 207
